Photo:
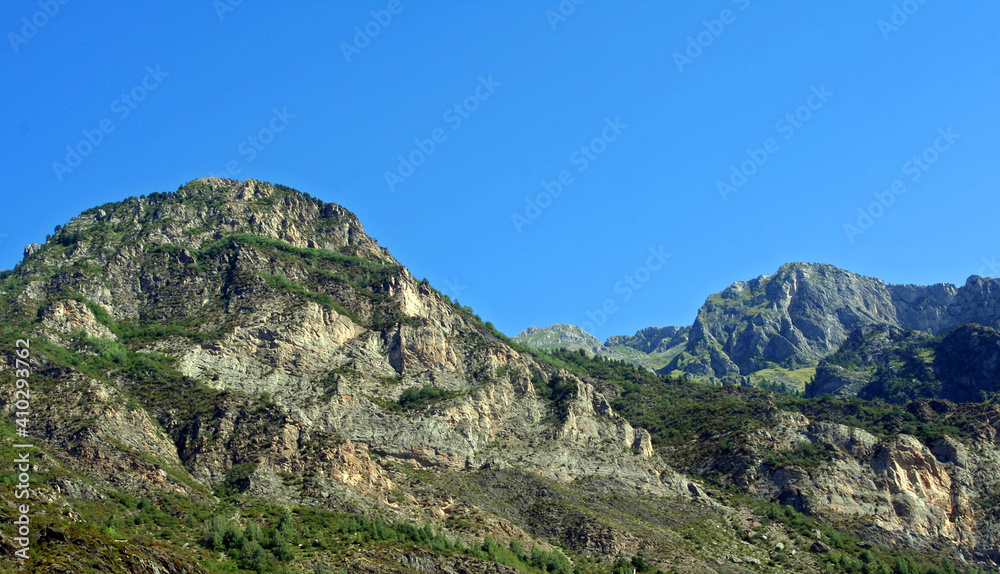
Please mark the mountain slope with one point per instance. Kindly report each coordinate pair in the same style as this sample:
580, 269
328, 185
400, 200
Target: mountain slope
805, 311
237, 339
889, 364
652, 339
561, 336
650, 348
235, 377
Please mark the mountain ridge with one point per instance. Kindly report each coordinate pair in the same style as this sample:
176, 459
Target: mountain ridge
256, 333
234, 376
804, 311
785, 322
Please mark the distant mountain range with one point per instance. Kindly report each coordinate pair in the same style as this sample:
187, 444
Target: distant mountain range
777, 328
651, 348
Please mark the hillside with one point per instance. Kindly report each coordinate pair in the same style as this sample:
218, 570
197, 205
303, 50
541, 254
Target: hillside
889, 364
235, 377
561, 336
790, 320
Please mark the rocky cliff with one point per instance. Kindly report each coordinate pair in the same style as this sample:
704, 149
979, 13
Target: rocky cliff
805, 311
244, 338
937, 492
235, 376
652, 339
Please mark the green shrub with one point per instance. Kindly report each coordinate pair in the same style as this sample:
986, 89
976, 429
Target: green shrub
805, 454
414, 398
282, 282
253, 557
213, 532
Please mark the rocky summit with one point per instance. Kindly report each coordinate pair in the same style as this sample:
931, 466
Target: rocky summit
561, 336
805, 311
235, 377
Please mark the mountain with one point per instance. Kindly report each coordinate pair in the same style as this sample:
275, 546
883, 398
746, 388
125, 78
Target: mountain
652, 339
790, 320
241, 345
235, 377
651, 348
561, 336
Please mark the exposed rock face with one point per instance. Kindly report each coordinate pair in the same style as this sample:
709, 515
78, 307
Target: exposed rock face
806, 310
652, 339
68, 315
898, 485
941, 308
898, 489
258, 291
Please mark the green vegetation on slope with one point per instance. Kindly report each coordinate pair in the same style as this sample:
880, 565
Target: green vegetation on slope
240, 533
676, 412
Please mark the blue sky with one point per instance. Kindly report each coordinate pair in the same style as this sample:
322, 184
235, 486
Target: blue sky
697, 143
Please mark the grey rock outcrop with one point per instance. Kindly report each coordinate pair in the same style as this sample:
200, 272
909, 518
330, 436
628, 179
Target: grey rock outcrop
262, 294
31, 249
652, 339
807, 310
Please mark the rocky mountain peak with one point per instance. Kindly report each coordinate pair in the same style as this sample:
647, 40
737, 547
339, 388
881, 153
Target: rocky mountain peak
208, 209
257, 333
805, 311
204, 360
561, 336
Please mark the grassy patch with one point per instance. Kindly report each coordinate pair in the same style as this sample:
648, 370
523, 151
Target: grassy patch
803, 455
424, 397
282, 282
795, 379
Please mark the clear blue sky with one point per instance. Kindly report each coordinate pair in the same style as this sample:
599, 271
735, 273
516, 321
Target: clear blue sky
662, 121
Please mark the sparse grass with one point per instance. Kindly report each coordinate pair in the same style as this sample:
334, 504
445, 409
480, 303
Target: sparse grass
794, 378
424, 397
282, 282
